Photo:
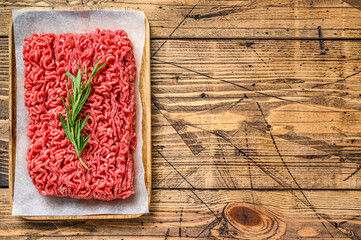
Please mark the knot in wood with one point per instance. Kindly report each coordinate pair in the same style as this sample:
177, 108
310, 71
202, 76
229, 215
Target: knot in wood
245, 222
245, 216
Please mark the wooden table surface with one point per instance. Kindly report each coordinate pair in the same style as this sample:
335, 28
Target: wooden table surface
255, 116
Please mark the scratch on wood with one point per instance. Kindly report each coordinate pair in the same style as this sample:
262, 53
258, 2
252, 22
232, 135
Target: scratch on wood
190, 184
192, 190
252, 90
249, 44
339, 131
354, 3
235, 103
229, 82
167, 234
317, 144
223, 105
356, 171
249, 169
330, 150
289, 172
61, 230
190, 173
261, 58
205, 108
176, 28
322, 44
226, 171
190, 139
180, 223
338, 81
267, 65
58, 230
217, 133
307, 203
232, 9
162, 180
210, 225
243, 87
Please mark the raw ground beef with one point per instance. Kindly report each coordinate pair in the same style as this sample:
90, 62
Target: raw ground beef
52, 161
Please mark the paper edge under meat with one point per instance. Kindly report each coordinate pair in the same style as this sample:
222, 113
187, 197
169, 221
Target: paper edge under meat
27, 200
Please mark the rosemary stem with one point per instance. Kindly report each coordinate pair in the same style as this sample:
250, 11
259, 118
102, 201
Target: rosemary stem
81, 160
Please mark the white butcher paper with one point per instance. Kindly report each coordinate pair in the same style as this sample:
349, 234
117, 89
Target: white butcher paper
27, 200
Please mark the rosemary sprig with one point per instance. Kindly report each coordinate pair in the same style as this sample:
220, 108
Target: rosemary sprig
81, 90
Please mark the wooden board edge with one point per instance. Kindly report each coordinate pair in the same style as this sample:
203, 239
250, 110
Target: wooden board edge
147, 112
84, 217
145, 82
12, 111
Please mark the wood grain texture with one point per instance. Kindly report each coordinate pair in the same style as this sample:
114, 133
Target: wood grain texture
204, 214
214, 132
284, 108
224, 19
223, 105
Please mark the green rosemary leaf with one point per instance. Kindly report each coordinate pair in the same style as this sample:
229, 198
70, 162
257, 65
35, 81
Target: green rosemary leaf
79, 72
81, 91
65, 127
84, 99
67, 90
84, 122
97, 70
67, 112
85, 141
78, 132
92, 74
72, 77
86, 71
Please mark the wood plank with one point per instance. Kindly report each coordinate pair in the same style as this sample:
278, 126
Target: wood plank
208, 214
228, 111
225, 19
214, 132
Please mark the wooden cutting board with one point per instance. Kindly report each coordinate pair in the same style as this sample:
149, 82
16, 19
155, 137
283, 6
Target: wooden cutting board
145, 90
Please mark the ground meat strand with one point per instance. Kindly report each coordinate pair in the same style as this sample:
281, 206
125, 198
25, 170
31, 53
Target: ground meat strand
52, 161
